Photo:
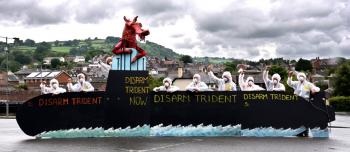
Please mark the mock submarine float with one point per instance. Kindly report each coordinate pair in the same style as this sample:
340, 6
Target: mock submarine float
128, 107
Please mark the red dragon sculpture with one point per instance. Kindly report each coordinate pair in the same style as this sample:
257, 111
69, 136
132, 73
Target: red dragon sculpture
128, 39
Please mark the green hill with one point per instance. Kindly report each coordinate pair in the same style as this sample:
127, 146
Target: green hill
28, 51
105, 45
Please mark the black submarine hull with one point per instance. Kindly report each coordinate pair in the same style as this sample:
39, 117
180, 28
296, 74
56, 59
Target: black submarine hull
128, 102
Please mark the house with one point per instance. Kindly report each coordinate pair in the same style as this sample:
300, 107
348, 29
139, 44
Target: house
47, 60
21, 74
317, 78
186, 79
8, 79
99, 83
35, 78
79, 59
3, 79
24, 72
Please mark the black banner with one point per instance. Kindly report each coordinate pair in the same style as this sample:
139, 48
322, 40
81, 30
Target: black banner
128, 102
250, 109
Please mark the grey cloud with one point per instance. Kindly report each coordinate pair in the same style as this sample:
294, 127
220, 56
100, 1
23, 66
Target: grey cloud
187, 43
177, 35
345, 46
31, 13
92, 12
160, 12
298, 28
298, 9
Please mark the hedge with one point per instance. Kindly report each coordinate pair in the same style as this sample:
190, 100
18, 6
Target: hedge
340, 103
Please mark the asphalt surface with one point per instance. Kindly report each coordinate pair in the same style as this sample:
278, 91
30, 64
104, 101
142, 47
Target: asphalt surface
12, 139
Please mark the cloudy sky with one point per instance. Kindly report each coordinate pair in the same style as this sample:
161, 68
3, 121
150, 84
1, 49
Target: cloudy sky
249, 29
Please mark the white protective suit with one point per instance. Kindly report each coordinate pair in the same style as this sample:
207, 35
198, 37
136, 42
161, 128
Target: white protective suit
167, 86
248, 85
274, 84
197, 84
82, 85
106, 67
54, 88
302, 87
225, 83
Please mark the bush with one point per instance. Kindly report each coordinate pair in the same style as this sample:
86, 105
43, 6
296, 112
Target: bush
342, 81
340, 103
22, 86
154, 82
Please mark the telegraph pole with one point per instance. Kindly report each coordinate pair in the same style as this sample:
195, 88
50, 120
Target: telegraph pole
7, 51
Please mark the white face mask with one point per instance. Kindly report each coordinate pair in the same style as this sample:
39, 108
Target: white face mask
109, 63
250, 83
81, 80
225, 79
195, 80
166, 84
301, 79
55, 85
275, 81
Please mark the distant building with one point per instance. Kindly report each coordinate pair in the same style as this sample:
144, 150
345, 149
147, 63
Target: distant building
186, 79
320, 66
47, 60
8, 79
153, 72
35, 78
3, 79
79, 59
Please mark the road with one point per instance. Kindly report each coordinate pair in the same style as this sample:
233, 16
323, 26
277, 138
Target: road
13, 139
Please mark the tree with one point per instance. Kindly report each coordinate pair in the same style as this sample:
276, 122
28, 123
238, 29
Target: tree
67, 43
154, 82
303, 65
74, 51
342, 81
111, 39
55, 63
12, 65
17, 41
91, 53
42, 50
88, 42
22, 57
280, 70
230, 66
29, 42
75, 42
57, 43
186, 59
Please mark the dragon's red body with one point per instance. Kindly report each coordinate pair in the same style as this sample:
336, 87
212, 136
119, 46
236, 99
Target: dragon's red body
128, 39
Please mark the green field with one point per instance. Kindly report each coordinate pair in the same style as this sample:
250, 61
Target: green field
24, 48
61, 49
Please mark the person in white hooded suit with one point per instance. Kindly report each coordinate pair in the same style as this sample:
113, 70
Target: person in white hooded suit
197, 85
105, 67
274, 84
302, 87
247, 85
167, 86
54, 88
82, 85
225, 83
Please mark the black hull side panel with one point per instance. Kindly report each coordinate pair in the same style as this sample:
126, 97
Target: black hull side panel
120, 108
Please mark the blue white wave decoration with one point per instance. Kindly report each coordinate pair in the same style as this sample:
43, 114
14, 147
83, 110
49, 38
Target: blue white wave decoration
199, 130
182, 131
272, 132
317, 132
